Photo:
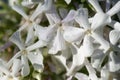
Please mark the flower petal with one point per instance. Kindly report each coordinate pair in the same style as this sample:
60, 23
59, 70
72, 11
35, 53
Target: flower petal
115, 25
115, 9
70, 16
114, 63
38, 44
73, 34
3, 68
82, 18
96, 5
81, 76
25, 69
19, 9
41, 8
88, 46
104, 19
96, 58
98, 36
77, 62
114, 36
45, 33
16, 39
59, 43
16, 66
30, 36
36, 59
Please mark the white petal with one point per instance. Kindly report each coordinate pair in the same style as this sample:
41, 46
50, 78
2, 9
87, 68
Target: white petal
36, 45
115, 25
115, 9
114, 63
53, 16
96, 58
58, 43
98, 36
18, 54
36, 59
63, 12
3, 69
105, 73
88, 46
91, 71
62, 59
45, 33
25, 69
26, 24
104, 19
30, 35
96, 5
70, 16
73, 34
82, 18
19, 9
81, 76
114, 36
16, 39
16, 66
68, 1
77, 62
40, 9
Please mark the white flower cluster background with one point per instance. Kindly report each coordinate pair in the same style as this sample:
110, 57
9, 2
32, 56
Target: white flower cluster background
84, 47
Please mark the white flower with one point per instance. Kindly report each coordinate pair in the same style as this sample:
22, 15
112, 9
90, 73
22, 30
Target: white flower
26, 53
104, 18
10, 72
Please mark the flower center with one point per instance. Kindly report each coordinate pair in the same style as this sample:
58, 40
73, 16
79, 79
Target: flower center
24, 52
88, 32
10, 78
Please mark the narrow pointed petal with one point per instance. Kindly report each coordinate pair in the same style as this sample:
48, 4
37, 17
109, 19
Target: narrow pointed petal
98, 36
25, 69
73, 34
114, 36
16, 66
81, 76
91, 71
19, 9
88, 46
82, 18
4, 69
58, 43
77, 62
30, 36
104, 19
52, 16
115, 9
96, 5
62, 59
70, 16
38, 44
23, 26
18, 54
114, 63
45, 33
16, 39
96, 58
36, 59
40, 9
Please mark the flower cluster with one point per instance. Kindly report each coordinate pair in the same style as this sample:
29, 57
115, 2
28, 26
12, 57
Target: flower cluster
72, 37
